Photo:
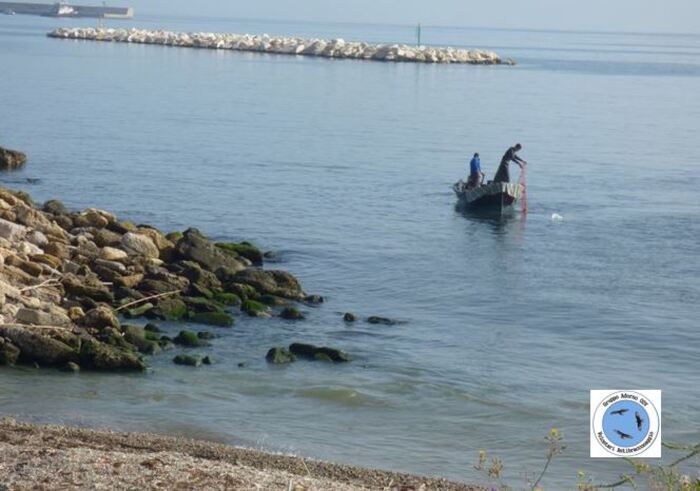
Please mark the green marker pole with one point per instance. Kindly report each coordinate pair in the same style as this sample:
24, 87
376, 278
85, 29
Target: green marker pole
418, 34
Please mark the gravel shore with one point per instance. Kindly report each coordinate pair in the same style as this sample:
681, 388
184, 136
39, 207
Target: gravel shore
57, 457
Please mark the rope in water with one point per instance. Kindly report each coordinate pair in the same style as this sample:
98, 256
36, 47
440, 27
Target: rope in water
523, 182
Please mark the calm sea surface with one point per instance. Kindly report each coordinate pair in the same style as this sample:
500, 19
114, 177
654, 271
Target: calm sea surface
344, 168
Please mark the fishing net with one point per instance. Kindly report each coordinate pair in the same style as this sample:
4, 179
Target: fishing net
523, 183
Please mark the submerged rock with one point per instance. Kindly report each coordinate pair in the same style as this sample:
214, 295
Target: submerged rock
219, 319
311, 352
280, 356
291, 313
188, 360
382, 320
11, 159
190, 339
349, 317
255, 309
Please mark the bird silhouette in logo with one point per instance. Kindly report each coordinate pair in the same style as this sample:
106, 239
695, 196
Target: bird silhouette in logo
619, 412
623, 436
639, 419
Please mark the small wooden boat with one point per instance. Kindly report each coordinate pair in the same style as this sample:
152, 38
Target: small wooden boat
495, 197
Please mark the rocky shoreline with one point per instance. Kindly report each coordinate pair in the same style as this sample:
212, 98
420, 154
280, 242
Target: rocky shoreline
335, 48
58, 457
71, 281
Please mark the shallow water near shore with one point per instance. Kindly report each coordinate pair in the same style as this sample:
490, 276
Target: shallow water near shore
344, 168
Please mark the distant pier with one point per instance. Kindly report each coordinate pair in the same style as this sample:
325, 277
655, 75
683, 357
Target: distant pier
335, 48
63, 9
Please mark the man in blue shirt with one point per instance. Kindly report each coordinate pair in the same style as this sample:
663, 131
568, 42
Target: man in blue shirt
476, 177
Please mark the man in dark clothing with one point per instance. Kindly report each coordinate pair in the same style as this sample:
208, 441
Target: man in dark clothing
502, 174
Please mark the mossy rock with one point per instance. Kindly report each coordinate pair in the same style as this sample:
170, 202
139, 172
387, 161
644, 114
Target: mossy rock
112, 337
24, 196
273, 301
311, 352
200, 291
244, 292
188, 360
166, 344
280, 356
138, 310
189, 339
137, 336
151, 327
100, 356
243, 249
206, 335
227, 298
255, 309
202, 304
128, 226
172, 308
220, 319
292, 314
8, 353
151, 336
174, 237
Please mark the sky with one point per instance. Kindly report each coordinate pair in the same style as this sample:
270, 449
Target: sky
667, 16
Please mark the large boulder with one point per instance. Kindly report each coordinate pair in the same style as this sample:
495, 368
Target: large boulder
243, 249
11, 159
278, 283
100, 317
40, 318
100, 356
194, 246
139, 245
38, 348
12, 231
197, 275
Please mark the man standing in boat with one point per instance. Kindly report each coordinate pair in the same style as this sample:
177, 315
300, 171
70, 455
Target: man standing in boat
502, 174
476, 177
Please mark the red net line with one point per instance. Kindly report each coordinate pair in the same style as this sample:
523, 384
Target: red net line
523, 182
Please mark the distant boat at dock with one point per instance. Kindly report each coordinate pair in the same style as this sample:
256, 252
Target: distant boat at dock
63, 9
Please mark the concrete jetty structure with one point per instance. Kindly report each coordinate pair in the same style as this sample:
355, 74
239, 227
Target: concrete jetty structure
63, 9
335, 48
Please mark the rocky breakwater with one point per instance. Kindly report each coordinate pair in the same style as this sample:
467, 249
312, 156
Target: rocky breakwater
335, 48
69, 280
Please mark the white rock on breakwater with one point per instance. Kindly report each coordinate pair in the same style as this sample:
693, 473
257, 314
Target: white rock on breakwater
335, 48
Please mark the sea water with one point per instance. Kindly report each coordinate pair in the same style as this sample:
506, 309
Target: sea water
344, 168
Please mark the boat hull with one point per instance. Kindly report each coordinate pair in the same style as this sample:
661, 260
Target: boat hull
493, 197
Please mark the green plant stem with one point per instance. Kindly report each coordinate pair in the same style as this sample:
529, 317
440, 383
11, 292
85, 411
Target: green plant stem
546, 465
